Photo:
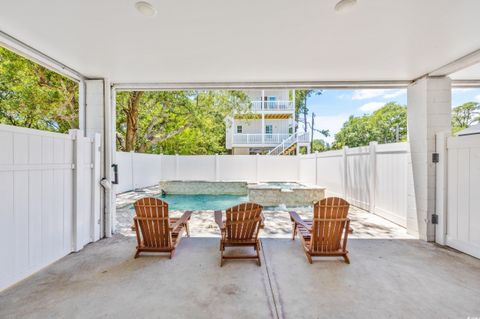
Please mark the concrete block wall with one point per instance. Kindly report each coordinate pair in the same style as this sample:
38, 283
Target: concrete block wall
429, 113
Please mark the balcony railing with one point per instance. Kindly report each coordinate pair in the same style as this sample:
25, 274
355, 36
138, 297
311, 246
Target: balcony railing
272, 106
252, 139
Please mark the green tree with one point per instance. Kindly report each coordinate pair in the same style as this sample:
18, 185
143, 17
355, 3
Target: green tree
176, 122
319, 145
465, 115
35, 97
386, 125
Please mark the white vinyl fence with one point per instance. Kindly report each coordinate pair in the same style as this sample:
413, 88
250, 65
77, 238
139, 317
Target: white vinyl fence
141, 170
373, 177
459, 179
49, 199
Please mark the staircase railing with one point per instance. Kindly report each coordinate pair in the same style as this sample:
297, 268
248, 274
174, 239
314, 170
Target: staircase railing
286, 143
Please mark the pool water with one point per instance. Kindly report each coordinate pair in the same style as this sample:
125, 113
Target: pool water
202, 202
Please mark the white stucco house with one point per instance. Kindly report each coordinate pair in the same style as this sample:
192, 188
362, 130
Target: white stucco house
269, 128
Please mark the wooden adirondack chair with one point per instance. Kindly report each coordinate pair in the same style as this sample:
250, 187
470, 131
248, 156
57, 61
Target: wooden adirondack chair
322, 236
240, 229
156, 232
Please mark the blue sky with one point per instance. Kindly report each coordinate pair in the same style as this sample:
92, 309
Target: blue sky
333, 107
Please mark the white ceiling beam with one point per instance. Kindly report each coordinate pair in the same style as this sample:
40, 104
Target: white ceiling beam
466, 83
39, 57
261, 85
458, 64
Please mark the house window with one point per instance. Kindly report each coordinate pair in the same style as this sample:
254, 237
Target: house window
239, 129
268, 129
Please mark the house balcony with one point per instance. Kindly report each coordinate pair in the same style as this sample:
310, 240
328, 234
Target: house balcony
266, 139
273, 106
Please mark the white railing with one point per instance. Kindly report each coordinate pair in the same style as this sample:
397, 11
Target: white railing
289, 141
252, 139
272, 106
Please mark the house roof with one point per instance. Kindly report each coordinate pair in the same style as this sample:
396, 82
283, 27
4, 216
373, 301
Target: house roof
473, 129
248, 40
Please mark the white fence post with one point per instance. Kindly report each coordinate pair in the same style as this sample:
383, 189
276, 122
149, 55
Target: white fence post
217, 168
176, 167
344, 175
441, 187
161, 167
132, 170
256, 167
373, 175
316, 168
96, 221
77, 186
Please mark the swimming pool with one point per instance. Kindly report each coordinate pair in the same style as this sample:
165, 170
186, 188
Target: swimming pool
202, 202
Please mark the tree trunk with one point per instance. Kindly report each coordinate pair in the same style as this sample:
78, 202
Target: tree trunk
132, 120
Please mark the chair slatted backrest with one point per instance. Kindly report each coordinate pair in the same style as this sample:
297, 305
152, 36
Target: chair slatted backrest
329, 219
243, 221
153, 221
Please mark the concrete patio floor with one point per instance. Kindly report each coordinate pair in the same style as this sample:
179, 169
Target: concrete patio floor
388, 278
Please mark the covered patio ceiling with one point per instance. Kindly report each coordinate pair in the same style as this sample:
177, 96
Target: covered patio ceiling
248, 41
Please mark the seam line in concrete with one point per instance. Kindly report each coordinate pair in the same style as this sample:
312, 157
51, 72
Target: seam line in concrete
269, 280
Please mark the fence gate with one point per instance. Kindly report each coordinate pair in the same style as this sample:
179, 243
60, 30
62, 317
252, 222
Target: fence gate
462, 220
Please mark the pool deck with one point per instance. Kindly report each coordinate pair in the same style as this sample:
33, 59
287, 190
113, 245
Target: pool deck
391, 275
387, 278
277, 223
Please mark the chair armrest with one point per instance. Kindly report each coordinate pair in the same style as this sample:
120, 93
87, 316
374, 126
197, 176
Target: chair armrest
182, 220
219, 220
298, 220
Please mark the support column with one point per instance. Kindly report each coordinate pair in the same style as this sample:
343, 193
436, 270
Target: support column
263, 128
100, 119
429, 112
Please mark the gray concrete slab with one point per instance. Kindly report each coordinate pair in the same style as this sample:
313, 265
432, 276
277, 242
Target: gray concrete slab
395, 278
387, 278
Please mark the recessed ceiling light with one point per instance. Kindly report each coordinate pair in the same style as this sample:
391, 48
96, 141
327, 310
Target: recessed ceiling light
344, 5
145, 8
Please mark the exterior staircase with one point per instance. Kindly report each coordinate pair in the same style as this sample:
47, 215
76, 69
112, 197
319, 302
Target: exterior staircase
289, 145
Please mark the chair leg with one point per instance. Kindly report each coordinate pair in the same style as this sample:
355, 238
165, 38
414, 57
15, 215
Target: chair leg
137, 254
187, 228
258, 254
294, 231
347, 260
309, 257
222, 248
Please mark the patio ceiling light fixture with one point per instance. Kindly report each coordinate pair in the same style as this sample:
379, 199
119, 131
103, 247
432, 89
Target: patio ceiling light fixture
146, 8
344, 5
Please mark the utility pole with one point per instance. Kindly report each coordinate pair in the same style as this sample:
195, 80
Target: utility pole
313, 127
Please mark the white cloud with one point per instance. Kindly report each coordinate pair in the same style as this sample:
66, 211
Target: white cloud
461, 90
371, 106
376, 93
333, 123
477, 98
394, 93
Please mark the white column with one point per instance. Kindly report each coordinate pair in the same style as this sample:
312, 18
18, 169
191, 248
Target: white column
429, 112
100, 119
263, 128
